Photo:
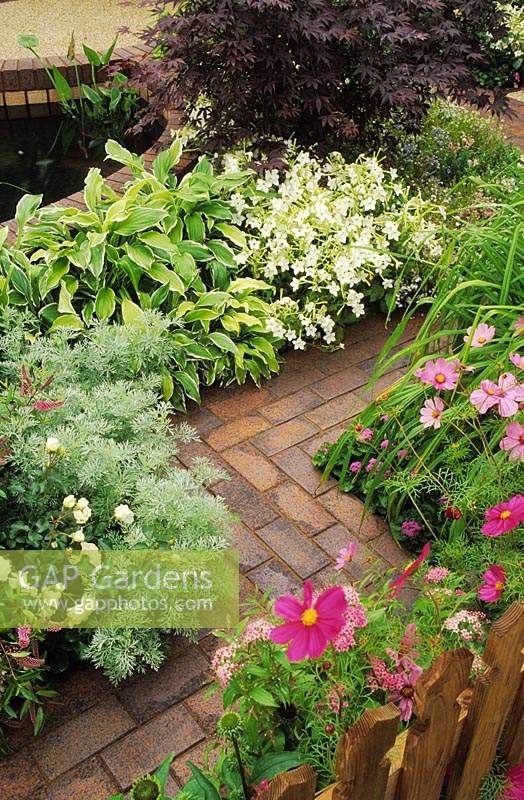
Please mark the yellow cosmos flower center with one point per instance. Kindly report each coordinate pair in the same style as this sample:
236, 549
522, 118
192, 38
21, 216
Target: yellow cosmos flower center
440, 377
309, 616
481, 339
435, 413
521, 438
490, 391
499, 586
505, 514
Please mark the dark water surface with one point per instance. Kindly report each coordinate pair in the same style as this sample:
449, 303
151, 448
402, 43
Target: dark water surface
43, 156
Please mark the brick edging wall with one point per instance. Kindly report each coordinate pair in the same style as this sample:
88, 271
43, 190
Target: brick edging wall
25, 88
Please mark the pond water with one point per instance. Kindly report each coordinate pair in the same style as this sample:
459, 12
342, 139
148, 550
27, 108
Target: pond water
42, 156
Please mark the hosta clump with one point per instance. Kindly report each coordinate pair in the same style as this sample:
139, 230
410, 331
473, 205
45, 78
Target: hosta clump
167, 244
332, 238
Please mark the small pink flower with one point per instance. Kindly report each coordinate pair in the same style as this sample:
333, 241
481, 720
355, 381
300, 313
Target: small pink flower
366, 435
481, 335
402, 454
384, 444
405, 696
431, 413
518, 326
494, 583
441, 374
47, 405
384, 417
355, 466
346, 555
311, 624
24, 636
371, 463
504, 517
514, 441
411, 528
517, 360
509, 393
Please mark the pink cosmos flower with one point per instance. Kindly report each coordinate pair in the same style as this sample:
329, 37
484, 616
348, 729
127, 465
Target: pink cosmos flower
47, 405
494, 583
504, 517
311, 624
346, 555
506, 394
481, 335
441, 374
514, 789
517, 360
399, 582
431, 413
518, 325
405, 696
514, 441
485, 397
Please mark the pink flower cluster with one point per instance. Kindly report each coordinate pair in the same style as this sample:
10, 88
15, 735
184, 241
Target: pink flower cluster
514, 789
399, 683
436, 575
223, 664
257, 630
24, 636
411, 528
335, 698
354, 617
467, 625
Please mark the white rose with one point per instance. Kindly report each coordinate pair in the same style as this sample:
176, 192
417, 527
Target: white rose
69, 501
78, 536
54, 545
82, 516
123, 514
82, 504
52, 445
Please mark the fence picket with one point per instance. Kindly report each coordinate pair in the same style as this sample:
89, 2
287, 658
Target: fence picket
297, 784
492, 699
514, 739
362, 768
430, 740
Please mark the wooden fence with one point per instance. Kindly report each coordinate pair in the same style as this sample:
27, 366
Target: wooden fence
452, 742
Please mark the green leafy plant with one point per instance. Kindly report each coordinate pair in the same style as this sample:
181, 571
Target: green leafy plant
435, 462
150, 787
100, 111
166, 245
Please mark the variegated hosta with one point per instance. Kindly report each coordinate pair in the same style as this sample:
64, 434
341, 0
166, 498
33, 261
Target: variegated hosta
165, 244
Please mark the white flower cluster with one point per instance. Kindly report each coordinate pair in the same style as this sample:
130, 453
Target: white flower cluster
329, 235
513, 43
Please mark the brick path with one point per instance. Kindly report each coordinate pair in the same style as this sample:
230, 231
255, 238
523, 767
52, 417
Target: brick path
290, 528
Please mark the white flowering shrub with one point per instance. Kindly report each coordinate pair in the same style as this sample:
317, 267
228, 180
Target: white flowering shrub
332, 237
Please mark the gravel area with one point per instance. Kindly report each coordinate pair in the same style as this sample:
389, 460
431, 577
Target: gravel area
53, 21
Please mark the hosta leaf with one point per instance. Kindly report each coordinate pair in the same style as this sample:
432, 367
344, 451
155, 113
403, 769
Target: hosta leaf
132, 314
64, 300
198, 251
158, 241
68, 321
105, 302
138, 219
221, 252
195, 227
222, 341
189, 384
232, 232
